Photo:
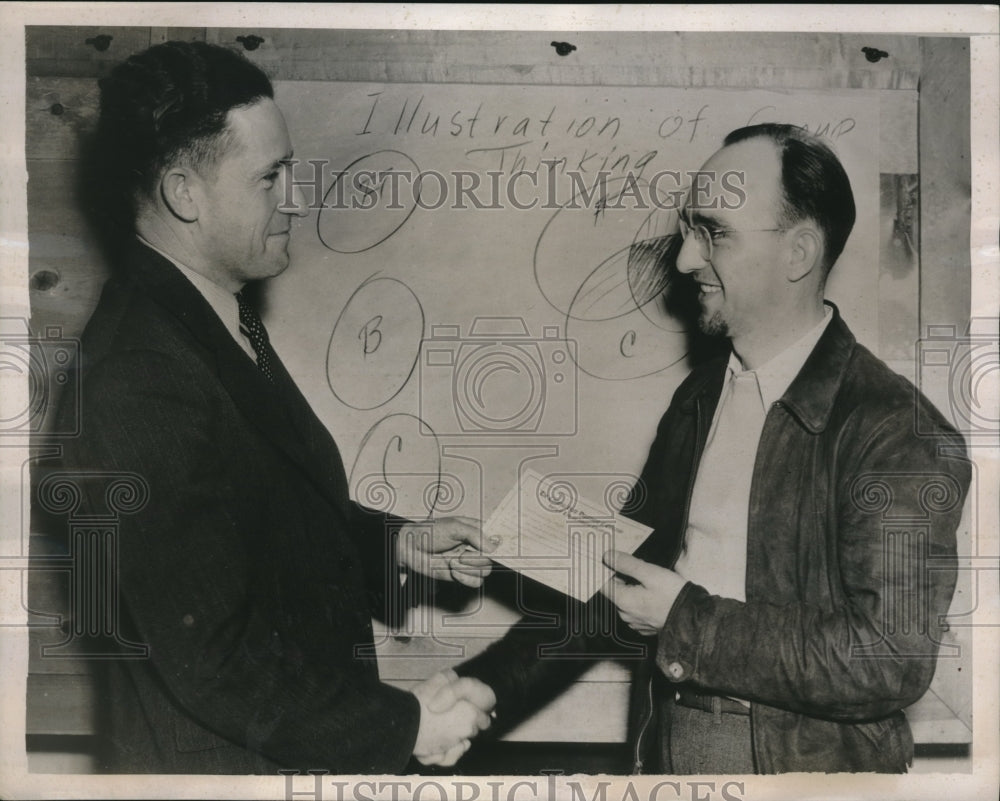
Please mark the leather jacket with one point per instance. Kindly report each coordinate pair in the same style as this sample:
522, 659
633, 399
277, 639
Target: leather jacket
857, 492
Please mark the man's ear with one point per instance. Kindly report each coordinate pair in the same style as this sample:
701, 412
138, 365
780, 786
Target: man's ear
179, 193
806, 251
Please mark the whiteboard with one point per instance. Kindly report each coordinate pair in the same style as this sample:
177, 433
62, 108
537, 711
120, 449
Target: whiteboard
464, 336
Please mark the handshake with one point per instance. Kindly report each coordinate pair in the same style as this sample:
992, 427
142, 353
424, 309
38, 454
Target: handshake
453, 710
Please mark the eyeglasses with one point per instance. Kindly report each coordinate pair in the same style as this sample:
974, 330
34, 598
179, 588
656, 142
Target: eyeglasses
706, 237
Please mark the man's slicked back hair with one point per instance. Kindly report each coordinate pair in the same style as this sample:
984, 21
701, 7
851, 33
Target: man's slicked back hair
168, 105
814, 183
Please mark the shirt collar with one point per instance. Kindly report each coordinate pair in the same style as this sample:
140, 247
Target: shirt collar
776, 375
222, 301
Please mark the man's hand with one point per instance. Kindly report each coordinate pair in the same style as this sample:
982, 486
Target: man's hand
644, 606
452, 712
449, 549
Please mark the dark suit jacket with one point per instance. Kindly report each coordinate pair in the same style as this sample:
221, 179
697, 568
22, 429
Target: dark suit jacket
249, 573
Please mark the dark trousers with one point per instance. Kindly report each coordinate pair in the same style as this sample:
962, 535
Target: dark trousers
704, 742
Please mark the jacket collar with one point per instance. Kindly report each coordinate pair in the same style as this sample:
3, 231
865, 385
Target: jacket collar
286, 422
810, 397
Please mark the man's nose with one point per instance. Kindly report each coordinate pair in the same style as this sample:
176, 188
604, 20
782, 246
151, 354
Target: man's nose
689, 258
298, 207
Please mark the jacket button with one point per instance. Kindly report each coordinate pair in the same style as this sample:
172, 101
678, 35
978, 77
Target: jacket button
675, 670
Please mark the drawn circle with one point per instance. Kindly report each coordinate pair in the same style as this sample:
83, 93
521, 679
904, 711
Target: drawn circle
652, 264
631, 276
622, 316
601, 346
499, 387
397, 460
375, 344
612, 290
368, 201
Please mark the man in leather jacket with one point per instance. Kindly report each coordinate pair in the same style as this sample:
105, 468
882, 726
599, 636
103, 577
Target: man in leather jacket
792, 593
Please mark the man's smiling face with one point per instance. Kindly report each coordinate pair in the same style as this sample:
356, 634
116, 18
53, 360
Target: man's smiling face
243, 226
739, 283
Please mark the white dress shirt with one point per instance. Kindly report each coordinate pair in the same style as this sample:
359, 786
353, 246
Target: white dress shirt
715, 553
222, 301
225, 305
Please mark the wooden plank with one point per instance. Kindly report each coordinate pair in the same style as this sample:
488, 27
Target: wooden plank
66, 269
690, 58
744, 59
953, 678
59, 111
753, 77
898, 133
899, 273
945, 203
60, 705
63, 50
933, 721
158, 35
45, 596
79, 761
56, 200
65, 704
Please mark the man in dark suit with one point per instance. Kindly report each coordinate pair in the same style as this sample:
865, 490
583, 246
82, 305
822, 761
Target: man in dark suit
250, 574
804, 501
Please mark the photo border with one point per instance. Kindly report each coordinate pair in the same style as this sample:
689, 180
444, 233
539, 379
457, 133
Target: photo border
977, 22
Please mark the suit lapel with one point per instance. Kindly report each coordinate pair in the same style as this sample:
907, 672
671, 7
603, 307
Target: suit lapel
321, 451
278, 411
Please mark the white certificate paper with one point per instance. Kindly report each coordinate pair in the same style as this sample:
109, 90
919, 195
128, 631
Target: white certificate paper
549, 533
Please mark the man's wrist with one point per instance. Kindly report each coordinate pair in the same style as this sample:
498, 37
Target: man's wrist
405, 549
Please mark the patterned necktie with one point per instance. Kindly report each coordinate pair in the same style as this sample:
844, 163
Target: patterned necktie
253, 329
